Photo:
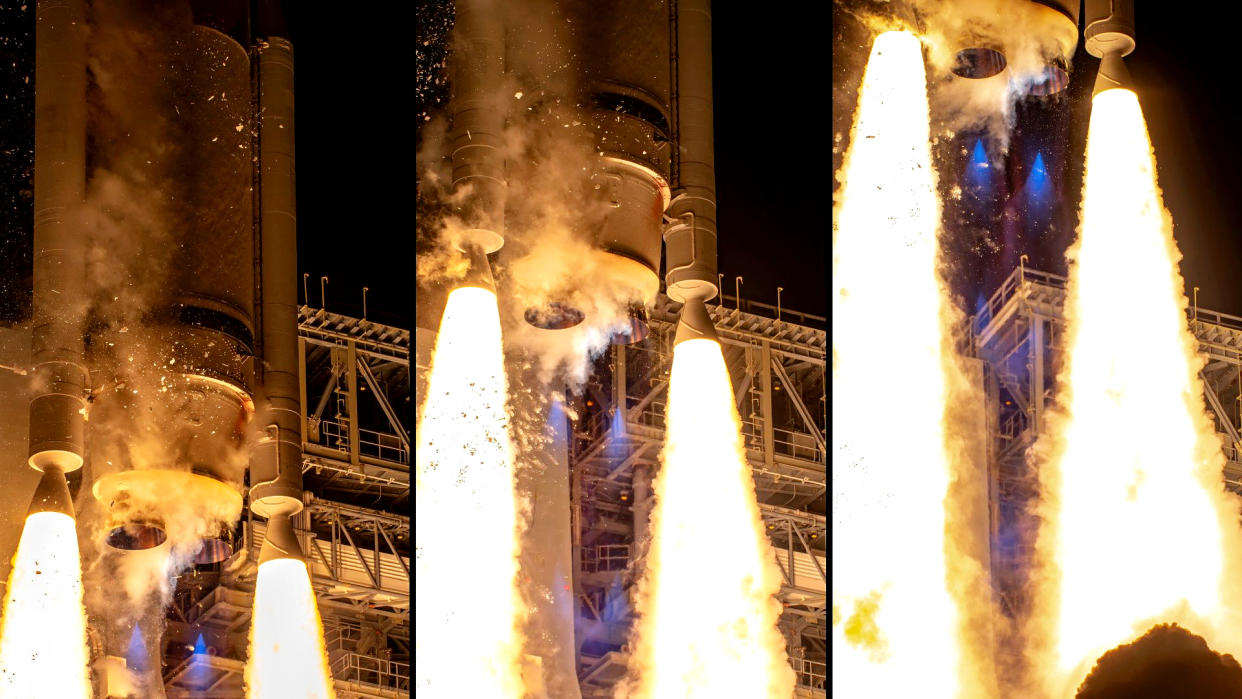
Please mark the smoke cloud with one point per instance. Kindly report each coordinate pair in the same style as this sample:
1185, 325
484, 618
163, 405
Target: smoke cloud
554, 204
145, 414
1167, 661
1029, 35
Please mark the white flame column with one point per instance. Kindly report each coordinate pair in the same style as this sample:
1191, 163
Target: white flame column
894, 622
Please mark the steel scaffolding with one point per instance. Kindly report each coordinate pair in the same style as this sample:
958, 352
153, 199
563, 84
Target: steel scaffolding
355, 383
777, 369
1018, 335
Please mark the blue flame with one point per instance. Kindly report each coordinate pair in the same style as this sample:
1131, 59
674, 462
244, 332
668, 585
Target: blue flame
1038, 195
979, 171
1037, 182
980, 157
136, 654
198, 673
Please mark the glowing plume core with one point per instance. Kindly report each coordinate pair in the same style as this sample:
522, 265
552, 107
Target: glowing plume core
1136, 495
43, 650
893, 619
467, 609
709, 619
287, 658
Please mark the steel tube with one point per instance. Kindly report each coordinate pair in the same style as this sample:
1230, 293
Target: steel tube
276, 462
58, 409
690, 241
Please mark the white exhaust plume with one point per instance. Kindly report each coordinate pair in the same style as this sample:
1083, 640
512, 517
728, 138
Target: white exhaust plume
1138, 528
468, 609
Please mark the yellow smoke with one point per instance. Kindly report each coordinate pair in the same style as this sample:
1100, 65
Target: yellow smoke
708, 624
287, 658
895, 625
43, 650
1138, 528
467, 610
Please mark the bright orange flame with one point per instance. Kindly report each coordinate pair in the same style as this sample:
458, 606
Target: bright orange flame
287, 658
1138, 519
708, 625
43, 649
467, 608
894, 621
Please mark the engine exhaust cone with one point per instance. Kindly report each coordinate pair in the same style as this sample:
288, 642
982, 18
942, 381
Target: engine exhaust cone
1052, 79
695, 323
554, 316
280, 541
52, 493
215, 548
1113, 74
637, 326
136, 536
480, 271
978, 63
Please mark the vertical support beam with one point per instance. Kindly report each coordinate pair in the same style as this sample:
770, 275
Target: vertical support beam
793, 573
1037, 374
375, 539
992, 407
302, 385
619, 390
765, 405
352, 402
641, 483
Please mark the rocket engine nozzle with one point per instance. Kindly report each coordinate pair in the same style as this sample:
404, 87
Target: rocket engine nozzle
1112, 74
280, 541
52, 493
695, 323
479, 273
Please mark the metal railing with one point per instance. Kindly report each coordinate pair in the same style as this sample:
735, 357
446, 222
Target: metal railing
379, 445
785, 442
1009, 288
811, 673
605, 557
378, 672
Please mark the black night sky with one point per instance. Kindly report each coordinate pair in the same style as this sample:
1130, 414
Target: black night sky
355, 155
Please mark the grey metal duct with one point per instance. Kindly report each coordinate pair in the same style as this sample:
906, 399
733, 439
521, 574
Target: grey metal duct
478, 120
690, 240
1108, 27
58, 409
276, 462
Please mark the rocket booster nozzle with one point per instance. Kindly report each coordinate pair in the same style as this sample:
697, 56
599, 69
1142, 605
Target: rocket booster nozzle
1112, 74
695, 323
